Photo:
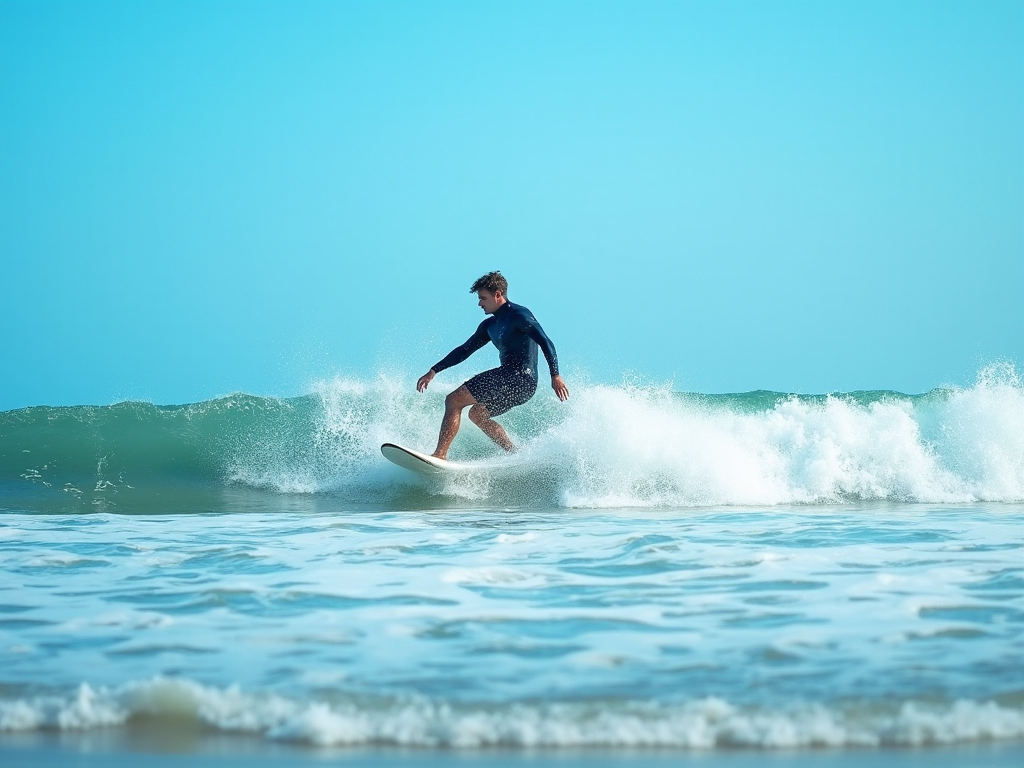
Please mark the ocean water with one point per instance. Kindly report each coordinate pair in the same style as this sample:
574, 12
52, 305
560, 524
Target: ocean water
654, 570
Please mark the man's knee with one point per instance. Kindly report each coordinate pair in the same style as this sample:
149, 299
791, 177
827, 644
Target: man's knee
459, 399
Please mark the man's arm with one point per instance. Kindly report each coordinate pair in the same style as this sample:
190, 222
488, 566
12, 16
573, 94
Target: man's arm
528, 324
532, 328
456, 356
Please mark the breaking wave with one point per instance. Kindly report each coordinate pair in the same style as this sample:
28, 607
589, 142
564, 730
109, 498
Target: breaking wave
415, 722
608, 446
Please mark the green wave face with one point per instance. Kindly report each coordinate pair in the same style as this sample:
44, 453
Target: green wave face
134, 456
608, 446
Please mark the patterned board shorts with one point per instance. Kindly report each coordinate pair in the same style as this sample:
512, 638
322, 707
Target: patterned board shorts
500, 389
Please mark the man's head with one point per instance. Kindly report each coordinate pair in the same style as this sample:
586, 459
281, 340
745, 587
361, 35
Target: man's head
491, 290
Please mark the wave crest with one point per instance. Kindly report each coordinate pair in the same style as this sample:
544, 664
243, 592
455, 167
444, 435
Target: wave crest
625, 446
415, 722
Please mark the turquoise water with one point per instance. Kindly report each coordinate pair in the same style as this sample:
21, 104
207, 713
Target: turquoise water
653, 569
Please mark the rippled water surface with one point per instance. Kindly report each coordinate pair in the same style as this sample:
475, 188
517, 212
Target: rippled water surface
851, 624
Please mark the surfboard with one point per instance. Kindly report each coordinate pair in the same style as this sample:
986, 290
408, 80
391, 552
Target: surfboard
420, 463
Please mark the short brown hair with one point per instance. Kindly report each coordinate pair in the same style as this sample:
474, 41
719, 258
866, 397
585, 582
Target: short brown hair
492, 282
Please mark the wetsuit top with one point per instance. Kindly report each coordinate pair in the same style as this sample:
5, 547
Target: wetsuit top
516, 333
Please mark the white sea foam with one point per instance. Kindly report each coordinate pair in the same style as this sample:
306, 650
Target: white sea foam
645, 449
703, 724
647, 446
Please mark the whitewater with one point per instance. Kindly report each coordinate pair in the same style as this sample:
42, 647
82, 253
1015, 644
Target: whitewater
655, 570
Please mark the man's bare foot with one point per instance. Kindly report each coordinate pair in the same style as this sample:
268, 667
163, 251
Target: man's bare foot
442, 456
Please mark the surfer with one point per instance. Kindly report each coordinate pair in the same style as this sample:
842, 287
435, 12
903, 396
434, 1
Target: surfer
517, 334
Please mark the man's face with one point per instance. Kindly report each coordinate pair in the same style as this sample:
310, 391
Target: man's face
489, 302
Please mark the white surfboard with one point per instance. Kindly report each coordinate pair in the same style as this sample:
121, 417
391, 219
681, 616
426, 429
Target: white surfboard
420, 463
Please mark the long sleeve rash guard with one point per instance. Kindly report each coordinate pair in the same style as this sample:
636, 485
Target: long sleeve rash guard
516, 333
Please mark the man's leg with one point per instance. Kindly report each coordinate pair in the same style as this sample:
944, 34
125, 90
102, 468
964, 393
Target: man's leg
453, 405
480, 416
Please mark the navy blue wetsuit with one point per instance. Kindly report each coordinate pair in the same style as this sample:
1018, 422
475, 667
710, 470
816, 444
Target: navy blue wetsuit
517, 334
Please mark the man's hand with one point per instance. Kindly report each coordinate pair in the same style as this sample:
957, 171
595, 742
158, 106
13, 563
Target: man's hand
425, 379
558, 385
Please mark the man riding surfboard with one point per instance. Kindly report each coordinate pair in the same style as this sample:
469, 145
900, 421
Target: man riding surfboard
516, 333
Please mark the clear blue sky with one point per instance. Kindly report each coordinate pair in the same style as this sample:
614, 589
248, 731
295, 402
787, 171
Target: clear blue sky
199, 198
